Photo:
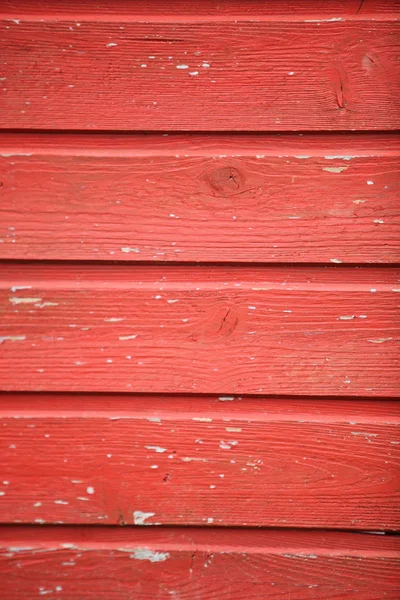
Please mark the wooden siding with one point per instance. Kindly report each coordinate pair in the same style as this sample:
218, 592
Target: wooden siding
228, 564
199, 299
218, 198
200, 461
200, 329
252, 71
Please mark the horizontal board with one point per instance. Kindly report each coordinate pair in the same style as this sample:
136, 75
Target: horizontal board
200, 461
78, 563
200, 329
249, 71
208, 8
278, 198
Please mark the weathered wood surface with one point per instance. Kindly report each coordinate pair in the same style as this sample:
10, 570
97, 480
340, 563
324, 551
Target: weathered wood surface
225, 330
200, 461
79, 563
270, 198
253, 70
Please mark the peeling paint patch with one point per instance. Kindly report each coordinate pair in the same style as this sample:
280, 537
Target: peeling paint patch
151, 555
140, 517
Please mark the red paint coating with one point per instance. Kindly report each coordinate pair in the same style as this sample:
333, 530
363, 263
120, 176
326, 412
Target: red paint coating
210, 198
78, 563
200, 461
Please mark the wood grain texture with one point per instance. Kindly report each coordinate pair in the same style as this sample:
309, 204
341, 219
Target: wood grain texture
254, 72
200, 461
200, 329
82, 564
278, 198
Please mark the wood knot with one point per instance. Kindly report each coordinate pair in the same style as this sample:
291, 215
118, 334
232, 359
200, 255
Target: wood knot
225, 181
216, 327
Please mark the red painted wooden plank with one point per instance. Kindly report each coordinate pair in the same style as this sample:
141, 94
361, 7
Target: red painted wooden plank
201, 197
237, 8
71, 563
200, 329
177, 73
200, 461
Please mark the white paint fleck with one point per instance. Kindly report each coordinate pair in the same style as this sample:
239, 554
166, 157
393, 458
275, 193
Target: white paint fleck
205, 65
12, 338
202, 419
210, 520
347, 317
16, 300
380, 340
122, 338
378, 221
291, 73
193, 73
156, 448
369, 182
46, 304
16, 154
340, 157
127, 249
111, 44
335, 169
90, 490
140, 517
336, 260
37, 504
372, 290
113, 320
60, 502
182, 66
17, 288
226, 398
